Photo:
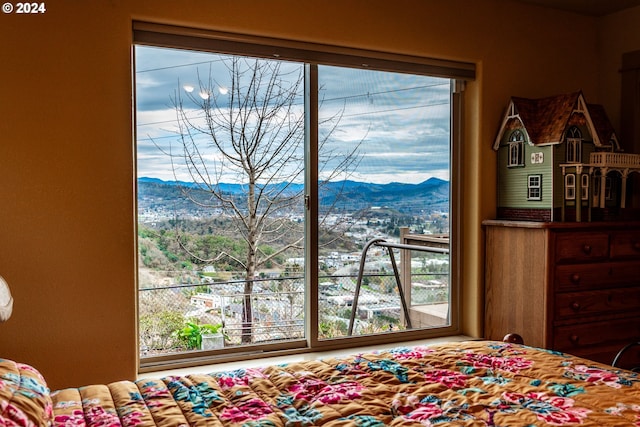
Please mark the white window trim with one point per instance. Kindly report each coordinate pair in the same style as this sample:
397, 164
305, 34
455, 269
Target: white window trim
584, 186
516, 154
570, 187
574, 146
531, 187
516, 149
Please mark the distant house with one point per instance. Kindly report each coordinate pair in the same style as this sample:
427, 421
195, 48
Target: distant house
206, 301
559, 159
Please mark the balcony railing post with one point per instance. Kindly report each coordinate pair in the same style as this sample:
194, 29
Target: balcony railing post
405, 266
440, 247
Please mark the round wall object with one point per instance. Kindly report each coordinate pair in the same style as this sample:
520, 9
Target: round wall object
6, 300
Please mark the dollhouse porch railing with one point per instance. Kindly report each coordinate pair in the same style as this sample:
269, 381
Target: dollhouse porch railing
615, 160
622, 162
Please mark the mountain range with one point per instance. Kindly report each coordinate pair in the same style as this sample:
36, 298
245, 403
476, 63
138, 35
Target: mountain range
429, 195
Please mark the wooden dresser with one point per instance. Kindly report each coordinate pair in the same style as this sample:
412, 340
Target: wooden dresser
572, 287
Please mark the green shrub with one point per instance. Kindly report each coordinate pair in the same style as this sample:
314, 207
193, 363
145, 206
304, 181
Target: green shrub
191, 334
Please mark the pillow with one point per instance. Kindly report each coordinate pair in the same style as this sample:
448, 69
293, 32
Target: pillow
24, 396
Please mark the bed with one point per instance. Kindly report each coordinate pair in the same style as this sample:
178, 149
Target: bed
470, 383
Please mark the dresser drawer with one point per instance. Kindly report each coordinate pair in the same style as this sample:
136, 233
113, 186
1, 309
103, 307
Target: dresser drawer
582, 247
626, 245
571, 338
575, 304
577, 277
583, 279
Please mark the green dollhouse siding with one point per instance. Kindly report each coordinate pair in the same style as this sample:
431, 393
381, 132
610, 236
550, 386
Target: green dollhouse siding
513, 181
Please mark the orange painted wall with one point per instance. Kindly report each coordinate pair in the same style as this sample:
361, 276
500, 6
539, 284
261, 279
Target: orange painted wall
67, 160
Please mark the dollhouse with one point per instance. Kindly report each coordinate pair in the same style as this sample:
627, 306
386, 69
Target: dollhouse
559, 159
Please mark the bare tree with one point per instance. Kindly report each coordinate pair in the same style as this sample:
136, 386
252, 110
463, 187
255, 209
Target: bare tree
249, 130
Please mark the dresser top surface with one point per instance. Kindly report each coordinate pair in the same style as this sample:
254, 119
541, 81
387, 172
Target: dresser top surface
611, 225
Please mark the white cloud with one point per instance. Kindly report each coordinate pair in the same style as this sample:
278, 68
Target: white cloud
402, 121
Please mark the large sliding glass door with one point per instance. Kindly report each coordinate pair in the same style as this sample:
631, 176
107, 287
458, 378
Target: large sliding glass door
384, 166
220, 199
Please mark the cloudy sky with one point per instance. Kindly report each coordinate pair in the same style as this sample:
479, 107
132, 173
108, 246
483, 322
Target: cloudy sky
400, 123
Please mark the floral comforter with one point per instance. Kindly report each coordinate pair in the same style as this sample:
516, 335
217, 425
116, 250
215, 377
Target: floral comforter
474, 383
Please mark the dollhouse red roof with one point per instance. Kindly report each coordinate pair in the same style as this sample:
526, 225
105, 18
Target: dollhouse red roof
545, 120
603, 126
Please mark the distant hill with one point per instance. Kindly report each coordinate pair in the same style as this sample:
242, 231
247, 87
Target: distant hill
430, 195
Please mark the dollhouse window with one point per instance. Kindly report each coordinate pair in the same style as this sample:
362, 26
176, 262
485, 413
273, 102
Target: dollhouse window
570, 187
534, 187
608, 189
516, 149
584, 187
608, 193
574, 145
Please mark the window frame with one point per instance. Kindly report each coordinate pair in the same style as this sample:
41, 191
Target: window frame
574, 145
584, 186
516, 149
570, 186
533, 188
311, 54
608, 188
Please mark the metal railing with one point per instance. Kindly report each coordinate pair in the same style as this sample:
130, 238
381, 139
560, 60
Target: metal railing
379, 242
278, 307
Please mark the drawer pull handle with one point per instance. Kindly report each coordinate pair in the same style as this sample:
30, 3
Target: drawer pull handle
586, 249
575, 306
575, 278
574, 339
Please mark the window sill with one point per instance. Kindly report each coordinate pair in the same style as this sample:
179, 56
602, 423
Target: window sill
292, 358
